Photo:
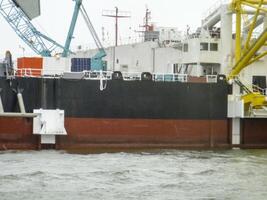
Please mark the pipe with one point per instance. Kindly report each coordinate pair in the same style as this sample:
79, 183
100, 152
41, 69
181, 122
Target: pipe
24, 115
21, 103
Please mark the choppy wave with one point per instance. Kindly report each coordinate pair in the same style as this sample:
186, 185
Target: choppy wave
237, 175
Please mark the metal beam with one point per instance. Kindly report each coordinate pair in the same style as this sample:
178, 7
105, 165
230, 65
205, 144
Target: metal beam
252, 26
255, 1
238, 31
254, 6
257, 58
72, 27
24, 115
248, 56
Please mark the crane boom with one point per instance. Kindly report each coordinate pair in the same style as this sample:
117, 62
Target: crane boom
96, 61
42, 44
72, 27
17, 19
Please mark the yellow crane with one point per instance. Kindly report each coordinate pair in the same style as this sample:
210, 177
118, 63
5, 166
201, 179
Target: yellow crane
247, 51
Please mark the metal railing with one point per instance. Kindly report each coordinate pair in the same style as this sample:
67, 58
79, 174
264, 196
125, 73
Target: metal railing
248, 87
107, 75
97, 75
29, 72
256, 88
132, 76
170, 77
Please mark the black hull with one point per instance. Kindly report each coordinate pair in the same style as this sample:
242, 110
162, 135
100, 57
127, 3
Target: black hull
121, 99
133, 114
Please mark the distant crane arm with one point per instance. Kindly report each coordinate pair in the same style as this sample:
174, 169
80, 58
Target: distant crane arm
91, 28
20, 23
96, 61
72, 27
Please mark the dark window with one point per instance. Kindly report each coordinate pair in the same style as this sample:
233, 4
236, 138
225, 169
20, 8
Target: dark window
204, 46
213, 46
185, 47
259, 81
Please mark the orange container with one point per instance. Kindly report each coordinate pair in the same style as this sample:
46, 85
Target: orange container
30, 66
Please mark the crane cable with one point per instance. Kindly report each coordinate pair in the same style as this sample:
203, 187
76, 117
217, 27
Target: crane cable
91, 27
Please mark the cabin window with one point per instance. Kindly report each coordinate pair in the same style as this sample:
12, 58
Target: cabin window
260, 82
213, 46
185, 47
204, 46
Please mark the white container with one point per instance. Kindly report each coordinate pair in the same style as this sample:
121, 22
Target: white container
56, 65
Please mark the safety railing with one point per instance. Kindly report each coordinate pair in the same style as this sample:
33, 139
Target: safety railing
107, 75
29, 72
256, 88
248, 87
170, 77
132, 76
97, 75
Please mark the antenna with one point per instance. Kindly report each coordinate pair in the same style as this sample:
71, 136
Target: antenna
116, 14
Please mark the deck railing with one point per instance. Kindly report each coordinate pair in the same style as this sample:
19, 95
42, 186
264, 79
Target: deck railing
107, 75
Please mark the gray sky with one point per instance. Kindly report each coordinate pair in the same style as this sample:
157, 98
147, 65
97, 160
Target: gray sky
56, 16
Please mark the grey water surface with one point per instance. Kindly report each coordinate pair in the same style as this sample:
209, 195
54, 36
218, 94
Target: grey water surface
48, 175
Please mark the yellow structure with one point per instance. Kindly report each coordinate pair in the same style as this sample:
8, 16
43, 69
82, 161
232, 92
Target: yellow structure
247, 50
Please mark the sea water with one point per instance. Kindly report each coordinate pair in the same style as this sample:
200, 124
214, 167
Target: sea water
151, 175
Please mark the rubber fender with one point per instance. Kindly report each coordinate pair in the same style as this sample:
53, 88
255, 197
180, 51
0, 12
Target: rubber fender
221, 78
117, 75
146, 76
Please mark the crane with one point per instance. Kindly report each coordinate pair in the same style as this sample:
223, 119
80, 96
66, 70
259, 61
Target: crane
96, 61
42, 44
21, 24
248, 52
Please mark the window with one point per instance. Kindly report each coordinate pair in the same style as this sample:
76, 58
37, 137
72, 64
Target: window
259, 81
185, 47
213, 46
204, 46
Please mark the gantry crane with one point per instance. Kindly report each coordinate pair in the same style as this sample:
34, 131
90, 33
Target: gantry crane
42, 44
249, 51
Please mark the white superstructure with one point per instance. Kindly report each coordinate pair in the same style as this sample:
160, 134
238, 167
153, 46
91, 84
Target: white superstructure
151, 57
207, 51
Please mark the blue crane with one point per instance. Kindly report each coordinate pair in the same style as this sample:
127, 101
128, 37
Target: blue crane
96, 61
42, 44
21, 24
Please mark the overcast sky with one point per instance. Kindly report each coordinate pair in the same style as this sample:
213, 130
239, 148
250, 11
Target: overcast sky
56, 16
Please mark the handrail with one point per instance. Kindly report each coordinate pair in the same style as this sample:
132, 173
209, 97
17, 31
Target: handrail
97, 75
